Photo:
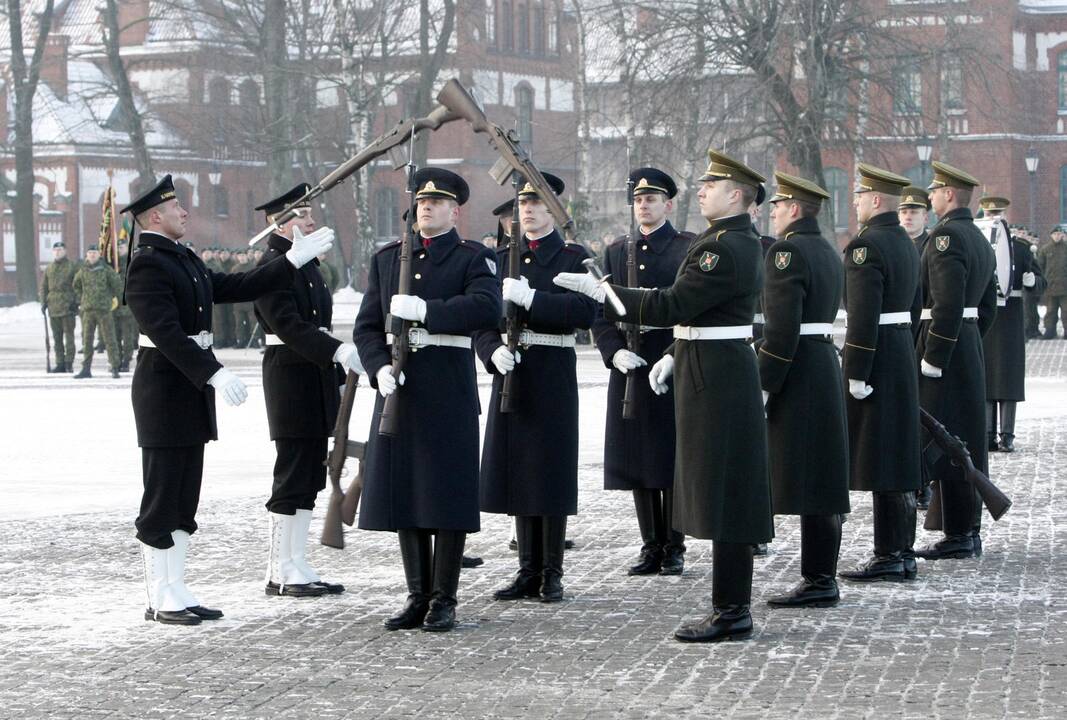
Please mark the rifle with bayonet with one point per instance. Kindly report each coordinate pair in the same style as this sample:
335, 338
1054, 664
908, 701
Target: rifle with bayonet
513, 321
631, 330
400, 134
343, 504
389, 424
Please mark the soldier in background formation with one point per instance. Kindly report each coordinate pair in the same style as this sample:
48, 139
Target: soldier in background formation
125, 326
1052, 258
639, 452
244, 318
98, 288
913, 213
60, 302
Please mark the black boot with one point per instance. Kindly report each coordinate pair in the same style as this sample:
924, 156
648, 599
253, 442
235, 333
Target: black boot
59, 368
891, 539
731, 595
820, 541
124, 366
991, 426
1007, 426
447, 562
85, 373
674, 549
472, 562
114, 373
527, 584
555, 535
960, 518
649, 509
418, 568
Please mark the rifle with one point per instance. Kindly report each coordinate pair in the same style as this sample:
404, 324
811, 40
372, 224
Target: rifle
513, 158
342, 507
47, 342
388, 424
945, 443
632, 330
400, 134
514, 324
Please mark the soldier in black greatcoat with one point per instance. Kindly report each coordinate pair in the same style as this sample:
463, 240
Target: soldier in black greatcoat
959, 306
639, 451
530, 455
882, 299
1004, 346
800, 372
721, 489
171, 294
300, 386
422, 483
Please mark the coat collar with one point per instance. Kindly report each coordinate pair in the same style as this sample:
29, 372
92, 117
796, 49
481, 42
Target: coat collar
886, 219
734, 222
547, 248
441, 246
162, 242
279, 243
959, 213
802, 226
661, 238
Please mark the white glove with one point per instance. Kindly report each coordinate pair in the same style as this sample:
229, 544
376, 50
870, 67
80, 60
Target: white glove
348, 356
504, 361
518, 291
929, 370
408, 307
766, 397
859, 389
232, 388
584, 283
1029, 279
386, 381
308, 247
660, 373
625, 361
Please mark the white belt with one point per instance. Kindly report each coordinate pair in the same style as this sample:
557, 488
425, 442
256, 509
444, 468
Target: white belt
642, 329
1016, 293
528, 338
758, 319
725, 332
204, 339
269, 339
419, 337
968, 312
894, 318
816, 328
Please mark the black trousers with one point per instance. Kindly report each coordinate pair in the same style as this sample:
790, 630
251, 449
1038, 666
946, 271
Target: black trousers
172, 477
299, 475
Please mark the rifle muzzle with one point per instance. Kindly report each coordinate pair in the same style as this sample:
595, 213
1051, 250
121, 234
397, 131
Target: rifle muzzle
455, 97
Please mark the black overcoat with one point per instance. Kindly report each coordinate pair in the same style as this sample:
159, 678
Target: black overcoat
530, 456
427, 475
721, 488
958, 271
300, 379
171, 293
882, 276
807, 435
639, 452
1004, 346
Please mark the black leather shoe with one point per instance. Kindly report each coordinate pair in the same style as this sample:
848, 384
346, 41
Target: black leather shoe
956, 547
760, 550
993, 446
552, 587
302, 590
650, 563
722, 624
673, 561
472, 562
172, 617
411, 616
976, 540
568, 544
878, 569
513, 545
124, 367
821, 594
205, 613
85, 373
922, 497
911, 568
114, 373
523, 586
442, 616
330, 588
1007, 443
61, 368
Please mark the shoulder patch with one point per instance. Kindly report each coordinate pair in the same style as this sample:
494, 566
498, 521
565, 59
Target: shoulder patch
708, 261
941, 242
859, 255
782, 259
492, 265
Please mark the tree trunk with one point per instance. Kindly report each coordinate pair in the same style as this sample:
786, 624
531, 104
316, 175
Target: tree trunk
430, 64
134, 124
276, 97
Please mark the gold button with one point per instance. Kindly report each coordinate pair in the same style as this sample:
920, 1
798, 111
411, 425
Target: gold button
194, 279
528, 261
311, 285
418, 276
314, 312
640, 267
200, 309
644, 247
422, 255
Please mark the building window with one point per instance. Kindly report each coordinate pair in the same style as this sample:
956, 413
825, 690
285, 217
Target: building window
490, 23
218, 91
507, 25
248, 94
222, 201
952, 84
908, 93
524, 107
386, 214
840, 195
1063, 194
251, 227
553, 31
539, 29
524, 29
1061, 67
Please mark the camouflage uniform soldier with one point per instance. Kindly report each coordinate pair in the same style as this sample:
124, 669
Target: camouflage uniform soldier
57, 299
329, 273
243, 317
222, 317
125, 326
98, 288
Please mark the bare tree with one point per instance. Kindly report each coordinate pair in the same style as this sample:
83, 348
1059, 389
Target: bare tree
132, 121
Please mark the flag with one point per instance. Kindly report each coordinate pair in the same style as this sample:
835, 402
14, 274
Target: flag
108, 247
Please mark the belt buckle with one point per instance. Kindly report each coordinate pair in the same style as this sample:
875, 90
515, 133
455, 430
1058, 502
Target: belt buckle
524, 339
416, 335
687, 332
201, 339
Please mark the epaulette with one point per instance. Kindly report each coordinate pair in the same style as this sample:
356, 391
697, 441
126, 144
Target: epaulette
575, 248
390, 246
472, 247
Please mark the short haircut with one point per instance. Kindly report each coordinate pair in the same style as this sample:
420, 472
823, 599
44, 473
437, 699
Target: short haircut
807, 209
963, 195
889, 202
748, 192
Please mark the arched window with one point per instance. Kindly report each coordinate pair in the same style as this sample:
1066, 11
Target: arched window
490, 23
837, 186
222, 201
1063, 194
507, 25
553, 31
539, 29
218, 91
386, 215
524, 107
1061, 69
524, 27
248, 93
908, 93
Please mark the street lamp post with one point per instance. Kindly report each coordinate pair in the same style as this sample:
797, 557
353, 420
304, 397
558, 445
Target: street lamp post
924, 150
1031, 169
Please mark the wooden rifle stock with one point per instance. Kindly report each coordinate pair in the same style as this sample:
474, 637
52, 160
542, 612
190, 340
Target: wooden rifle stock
633, 331
514, 323
332, 533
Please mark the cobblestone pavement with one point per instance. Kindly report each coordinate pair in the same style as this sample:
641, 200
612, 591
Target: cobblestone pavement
982, 638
